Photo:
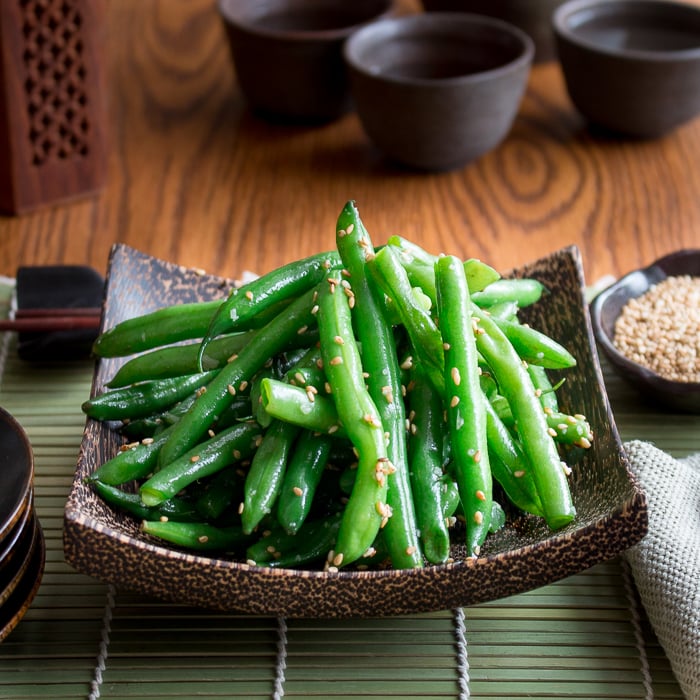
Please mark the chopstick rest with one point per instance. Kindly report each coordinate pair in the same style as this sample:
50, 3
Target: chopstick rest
58, 312
666, 563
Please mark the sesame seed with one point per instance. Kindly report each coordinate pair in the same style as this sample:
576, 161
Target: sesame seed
147, 441
249, 295
338, 559
337, 360
297, 491
243, 386
480, 495
456, 377
478, 517
194, 459
302, 330
477, 456
202, 539
338, 339
241, 507
552, 432
237, 454
445, 346
314, 309
454, 401
411, 550
231, 389
658, 329
350, 229
407, 363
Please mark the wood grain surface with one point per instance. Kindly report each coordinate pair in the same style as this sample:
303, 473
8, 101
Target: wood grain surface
195, 178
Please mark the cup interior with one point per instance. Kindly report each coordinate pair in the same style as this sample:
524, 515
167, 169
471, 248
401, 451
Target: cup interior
649, 27
434, 48
302, 17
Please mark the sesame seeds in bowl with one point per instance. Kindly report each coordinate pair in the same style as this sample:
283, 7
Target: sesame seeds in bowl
648, 326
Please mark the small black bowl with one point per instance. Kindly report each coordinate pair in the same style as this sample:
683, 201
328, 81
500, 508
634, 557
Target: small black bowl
605, 309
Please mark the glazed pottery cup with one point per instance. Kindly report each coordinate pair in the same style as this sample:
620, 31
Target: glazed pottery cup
532, 16
631, 66
435, 91
288, 53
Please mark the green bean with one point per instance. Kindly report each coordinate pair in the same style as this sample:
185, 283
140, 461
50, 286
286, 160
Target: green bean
563, 428
479, 275
303, 408
465, 402
301, 479
133, 461
144, 399
283, 284
425, 458
515, 384
366, 510
379, 360
172, 509
266, 473
281, 549
525, 292
178, 360
509, 464
272, 339
223, 490
198, 536
546, 393
227, 447
424, 335
536, 347
164, 326
420, 266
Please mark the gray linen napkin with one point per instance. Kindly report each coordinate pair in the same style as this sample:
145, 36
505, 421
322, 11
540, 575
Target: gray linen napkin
666, 563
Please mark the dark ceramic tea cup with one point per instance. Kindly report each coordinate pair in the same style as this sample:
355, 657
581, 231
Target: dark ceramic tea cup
631, 66
435, 91
288, 53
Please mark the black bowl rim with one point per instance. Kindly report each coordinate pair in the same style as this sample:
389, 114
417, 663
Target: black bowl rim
561, 27
666, 266
414, 23
299, 35
9, 518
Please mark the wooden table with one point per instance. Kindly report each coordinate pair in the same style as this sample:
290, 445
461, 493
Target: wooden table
195, 178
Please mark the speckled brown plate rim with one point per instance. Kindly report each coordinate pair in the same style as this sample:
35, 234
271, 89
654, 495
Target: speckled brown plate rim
97, 542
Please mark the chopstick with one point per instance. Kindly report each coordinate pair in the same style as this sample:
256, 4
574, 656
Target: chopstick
45, 320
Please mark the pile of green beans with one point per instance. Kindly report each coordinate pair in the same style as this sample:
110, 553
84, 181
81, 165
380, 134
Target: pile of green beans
361, 407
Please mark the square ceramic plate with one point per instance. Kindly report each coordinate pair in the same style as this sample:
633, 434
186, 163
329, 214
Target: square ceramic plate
523, 555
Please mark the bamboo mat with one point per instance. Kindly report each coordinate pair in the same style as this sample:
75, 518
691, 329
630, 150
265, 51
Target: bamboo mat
583, 637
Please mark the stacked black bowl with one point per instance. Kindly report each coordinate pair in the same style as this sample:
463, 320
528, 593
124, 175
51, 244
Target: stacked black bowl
22, 546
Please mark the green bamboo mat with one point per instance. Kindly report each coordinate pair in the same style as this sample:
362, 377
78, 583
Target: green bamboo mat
583, 637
